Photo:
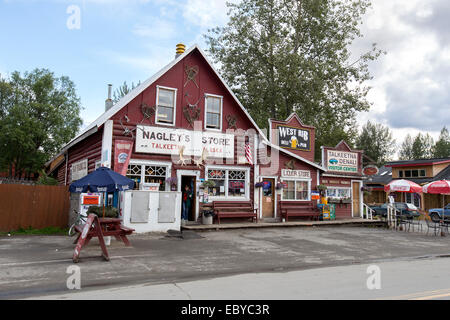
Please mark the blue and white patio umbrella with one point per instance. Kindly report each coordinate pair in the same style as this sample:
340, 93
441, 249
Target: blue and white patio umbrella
102, 180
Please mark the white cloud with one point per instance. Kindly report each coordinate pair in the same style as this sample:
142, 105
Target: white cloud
411, 90
206, 14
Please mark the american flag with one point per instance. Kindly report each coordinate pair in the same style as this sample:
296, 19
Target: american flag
248, 152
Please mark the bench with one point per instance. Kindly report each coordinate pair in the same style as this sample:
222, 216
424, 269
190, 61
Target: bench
236, 209
299, 209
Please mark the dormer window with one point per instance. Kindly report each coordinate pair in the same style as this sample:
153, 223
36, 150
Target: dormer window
213, 112
166, 105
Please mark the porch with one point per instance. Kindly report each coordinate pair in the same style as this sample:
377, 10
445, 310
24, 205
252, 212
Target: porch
264, 224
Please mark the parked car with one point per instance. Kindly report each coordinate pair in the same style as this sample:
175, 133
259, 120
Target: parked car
436, 214
403, 208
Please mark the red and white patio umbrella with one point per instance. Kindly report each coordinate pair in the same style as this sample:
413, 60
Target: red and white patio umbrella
437, 187
402, 186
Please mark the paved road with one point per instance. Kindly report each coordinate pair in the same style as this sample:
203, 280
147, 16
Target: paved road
36, 266
424, 279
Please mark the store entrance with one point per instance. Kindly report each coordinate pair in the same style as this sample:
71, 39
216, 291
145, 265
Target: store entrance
189, 181
356, 197
268, 198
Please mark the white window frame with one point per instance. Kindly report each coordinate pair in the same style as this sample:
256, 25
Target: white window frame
174, 106
206, 111
78, 177
295, 189
227, 169
350, 191
142, 163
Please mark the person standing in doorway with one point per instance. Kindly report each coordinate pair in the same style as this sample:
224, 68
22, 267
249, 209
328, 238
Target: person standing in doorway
187, 203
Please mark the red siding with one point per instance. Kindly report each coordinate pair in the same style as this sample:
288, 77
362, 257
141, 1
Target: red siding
90, 148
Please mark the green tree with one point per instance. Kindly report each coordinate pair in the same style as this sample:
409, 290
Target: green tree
284, 56
39, 113
377, 142
123, 90
406, 148
422, 147
442, 146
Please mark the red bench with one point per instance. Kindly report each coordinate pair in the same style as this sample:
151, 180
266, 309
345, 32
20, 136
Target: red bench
235, 209
299, 209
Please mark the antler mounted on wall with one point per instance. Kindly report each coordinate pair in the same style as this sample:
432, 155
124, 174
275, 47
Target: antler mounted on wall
191, 74
231, 121
191, 111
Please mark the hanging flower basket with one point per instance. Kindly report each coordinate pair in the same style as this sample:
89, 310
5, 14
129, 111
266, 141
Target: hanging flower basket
280, 186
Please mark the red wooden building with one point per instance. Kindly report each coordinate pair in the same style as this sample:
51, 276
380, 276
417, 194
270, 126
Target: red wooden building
184, 125
344, 179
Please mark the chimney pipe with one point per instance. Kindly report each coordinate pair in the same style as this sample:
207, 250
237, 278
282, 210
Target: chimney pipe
180, 50
109, 102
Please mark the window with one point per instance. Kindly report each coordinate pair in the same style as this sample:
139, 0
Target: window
213, 112
219, 178
165, 110
230, 183
338, 193
296, 190
412, 173
148, 174
236, 183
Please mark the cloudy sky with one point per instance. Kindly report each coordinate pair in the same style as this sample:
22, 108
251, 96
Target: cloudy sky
120, 40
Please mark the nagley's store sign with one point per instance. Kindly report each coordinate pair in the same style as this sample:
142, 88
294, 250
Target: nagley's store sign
171, 141
342, 161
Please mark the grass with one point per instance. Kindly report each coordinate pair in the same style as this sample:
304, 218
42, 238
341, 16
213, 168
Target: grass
31, 231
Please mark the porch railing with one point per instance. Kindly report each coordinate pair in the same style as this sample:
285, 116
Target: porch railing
367, 212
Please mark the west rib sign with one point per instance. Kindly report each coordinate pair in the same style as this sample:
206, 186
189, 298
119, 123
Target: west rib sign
294, 138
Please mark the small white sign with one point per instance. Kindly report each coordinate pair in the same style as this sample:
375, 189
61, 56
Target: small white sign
287, 173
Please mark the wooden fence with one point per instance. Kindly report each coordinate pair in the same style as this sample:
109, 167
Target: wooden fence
23, 206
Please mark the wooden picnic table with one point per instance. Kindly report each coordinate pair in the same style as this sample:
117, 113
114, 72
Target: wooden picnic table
110, 227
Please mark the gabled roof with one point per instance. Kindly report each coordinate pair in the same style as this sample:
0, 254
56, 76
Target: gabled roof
93, 127
147, 83
293, 155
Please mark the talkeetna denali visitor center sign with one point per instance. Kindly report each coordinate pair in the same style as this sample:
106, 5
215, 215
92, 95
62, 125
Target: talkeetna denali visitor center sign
342, 161
294, 138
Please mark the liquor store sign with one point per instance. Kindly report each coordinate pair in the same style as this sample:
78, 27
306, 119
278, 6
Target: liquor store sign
287, 173
342, 161
189, 143
294, 138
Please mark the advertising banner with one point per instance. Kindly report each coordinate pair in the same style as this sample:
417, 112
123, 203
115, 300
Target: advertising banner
189, 143
342, 161
122, 155
294, 138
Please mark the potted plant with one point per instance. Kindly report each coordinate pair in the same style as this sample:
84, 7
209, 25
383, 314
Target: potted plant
208, 184
280, 186
207, 216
